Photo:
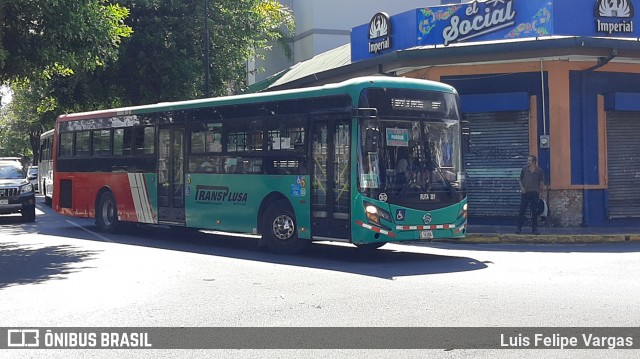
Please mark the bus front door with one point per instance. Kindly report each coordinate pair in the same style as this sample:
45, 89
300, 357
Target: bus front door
171, 176
330, 184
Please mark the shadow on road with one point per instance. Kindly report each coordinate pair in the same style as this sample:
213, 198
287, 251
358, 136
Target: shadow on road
22, 264
13, 225
382, 263
613, 247
388, 262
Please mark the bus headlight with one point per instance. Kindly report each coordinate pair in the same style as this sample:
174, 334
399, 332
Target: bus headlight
463, 211
375, 213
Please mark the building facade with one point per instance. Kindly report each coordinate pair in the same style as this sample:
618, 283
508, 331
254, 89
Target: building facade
559, 79
322, 25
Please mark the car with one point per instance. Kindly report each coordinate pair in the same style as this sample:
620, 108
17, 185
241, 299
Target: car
32, 175
11, 159
16, 192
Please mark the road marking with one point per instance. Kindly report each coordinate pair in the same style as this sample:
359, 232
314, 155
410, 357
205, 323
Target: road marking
90, 232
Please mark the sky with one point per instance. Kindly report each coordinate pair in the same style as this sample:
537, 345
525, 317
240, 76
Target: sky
5, 94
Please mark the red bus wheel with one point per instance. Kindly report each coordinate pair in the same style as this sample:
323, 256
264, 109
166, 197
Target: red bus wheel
106, 213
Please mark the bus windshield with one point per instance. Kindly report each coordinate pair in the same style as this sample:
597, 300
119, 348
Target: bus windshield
410, 151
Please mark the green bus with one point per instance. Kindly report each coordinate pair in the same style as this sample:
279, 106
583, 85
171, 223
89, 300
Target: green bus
366, 161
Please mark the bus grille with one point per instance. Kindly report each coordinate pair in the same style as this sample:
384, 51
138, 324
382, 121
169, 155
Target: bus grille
9, 192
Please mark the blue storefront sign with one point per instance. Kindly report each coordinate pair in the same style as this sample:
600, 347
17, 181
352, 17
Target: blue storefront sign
494, 20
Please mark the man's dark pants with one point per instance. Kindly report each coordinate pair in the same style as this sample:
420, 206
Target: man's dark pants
529, 199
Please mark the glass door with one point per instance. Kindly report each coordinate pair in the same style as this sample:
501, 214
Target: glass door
171, 176
331, 178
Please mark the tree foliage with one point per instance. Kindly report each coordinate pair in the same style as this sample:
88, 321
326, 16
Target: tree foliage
21, 137
48, 37
163, 60
44, 40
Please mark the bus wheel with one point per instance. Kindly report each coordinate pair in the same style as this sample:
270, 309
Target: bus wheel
279, 229
47, 200
106, 214
43, 192
370, 246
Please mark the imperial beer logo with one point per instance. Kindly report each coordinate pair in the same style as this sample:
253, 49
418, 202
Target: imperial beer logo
219, 194
614, 16
482, 17
379, 33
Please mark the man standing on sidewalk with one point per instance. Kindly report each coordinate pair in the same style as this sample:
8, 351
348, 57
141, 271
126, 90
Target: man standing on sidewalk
531, 184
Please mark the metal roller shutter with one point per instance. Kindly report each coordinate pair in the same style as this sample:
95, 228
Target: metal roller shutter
498, 149
623, 162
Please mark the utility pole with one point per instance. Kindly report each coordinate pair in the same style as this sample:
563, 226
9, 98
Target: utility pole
206, 48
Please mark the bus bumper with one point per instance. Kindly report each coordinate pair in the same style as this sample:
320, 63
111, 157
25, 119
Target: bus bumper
370, 234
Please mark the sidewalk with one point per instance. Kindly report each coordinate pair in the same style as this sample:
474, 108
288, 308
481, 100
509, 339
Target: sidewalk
507, 234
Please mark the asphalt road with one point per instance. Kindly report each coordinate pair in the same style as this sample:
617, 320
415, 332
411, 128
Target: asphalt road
59, 272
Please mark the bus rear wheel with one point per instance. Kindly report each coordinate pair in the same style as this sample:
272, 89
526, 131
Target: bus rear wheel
279, 229
106, 213
43, 191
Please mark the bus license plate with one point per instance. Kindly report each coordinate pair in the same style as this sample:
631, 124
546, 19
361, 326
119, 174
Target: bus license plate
427, 234
4, 201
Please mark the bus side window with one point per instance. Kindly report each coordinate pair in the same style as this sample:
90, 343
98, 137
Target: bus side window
197, 142
230, 165
122, 141
144, 140
101, 142
66, 144
83, 146
286, 134
206, 137
205, 165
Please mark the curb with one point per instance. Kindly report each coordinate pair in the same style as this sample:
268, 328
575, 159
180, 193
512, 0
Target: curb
549, 238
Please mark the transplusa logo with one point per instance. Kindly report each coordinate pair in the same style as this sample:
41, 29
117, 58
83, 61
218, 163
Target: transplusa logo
614, 16
219, 194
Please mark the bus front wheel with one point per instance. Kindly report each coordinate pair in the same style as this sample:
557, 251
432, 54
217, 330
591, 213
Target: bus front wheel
279, 229
106, 213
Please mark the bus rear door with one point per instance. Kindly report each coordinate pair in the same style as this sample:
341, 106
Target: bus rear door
171, 176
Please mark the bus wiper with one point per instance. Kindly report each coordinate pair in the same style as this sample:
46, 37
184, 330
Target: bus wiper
444, 177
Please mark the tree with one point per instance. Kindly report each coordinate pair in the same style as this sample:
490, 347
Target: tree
40, 40
45, 37
164, 59
24, 119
